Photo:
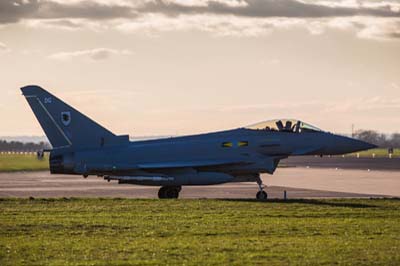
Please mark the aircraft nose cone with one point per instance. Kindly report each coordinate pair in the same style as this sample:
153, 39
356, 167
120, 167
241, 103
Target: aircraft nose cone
342, 145
360, 145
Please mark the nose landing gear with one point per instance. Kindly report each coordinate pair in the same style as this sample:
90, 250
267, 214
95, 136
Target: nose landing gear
169, 192
261, 194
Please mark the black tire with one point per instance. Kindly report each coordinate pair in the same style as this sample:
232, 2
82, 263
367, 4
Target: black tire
262, 195
169, 192
172, 193
161, 193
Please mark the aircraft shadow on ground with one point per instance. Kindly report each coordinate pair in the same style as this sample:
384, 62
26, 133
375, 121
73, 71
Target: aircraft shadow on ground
307, 201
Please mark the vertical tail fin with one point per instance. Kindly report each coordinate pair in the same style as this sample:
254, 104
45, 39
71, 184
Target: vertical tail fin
64, 126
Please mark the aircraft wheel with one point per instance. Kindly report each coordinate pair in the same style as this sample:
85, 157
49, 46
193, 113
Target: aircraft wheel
262, 195
172, 193
169, 192
161, 193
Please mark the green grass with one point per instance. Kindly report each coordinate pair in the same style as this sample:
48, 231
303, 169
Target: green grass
199, 232
379, 153
22, 162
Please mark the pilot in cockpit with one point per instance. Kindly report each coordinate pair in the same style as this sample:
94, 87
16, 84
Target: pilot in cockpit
285, 125
279, 125
288, 126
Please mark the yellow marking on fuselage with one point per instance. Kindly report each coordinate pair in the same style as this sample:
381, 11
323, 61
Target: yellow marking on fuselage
243, 143
227, 144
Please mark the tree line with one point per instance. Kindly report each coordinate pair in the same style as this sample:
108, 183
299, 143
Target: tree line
379, 139
18, 146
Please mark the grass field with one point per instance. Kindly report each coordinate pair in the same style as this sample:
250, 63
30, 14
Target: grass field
22, 162
199, 232
378, 153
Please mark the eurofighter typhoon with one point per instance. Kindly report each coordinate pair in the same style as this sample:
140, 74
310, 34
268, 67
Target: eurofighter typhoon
83, 147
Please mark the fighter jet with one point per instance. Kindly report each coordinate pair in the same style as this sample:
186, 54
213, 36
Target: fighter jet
81, 146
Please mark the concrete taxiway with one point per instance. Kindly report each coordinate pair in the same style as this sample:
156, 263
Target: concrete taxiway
298, 182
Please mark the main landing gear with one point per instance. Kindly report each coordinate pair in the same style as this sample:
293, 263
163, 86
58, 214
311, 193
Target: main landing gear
169, 192
261, 194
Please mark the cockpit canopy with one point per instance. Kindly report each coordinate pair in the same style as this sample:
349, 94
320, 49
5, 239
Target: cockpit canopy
284, 125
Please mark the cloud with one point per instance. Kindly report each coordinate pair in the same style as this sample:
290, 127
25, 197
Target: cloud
218, 25
66, 24
370, 19
395, 85
3, 48
374, 104
367, 27
228, 25
268, 8
382, 30
93, 54
377, 103
15, 10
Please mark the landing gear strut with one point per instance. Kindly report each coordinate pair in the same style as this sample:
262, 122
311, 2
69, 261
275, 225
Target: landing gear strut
169, 192
261, 194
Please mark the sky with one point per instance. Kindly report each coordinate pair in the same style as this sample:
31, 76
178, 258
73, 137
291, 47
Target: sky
177, 67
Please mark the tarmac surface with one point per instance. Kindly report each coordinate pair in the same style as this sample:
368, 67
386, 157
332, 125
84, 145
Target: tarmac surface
297, 181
